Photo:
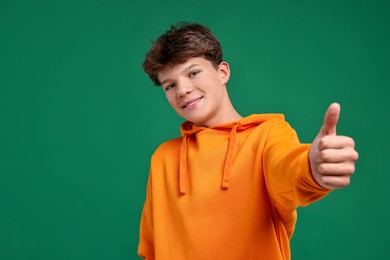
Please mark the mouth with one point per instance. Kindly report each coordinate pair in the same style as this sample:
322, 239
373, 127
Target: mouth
191, 102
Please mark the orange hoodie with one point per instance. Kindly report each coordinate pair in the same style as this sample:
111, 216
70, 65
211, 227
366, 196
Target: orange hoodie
227, 192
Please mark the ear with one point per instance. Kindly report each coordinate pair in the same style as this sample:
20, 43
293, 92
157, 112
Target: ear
224, 72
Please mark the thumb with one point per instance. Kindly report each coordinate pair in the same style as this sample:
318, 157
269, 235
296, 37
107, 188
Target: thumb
330, 120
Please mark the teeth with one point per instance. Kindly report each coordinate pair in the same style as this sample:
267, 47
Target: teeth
196, 101
193, 102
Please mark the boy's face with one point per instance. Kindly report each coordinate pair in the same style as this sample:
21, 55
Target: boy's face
197, 90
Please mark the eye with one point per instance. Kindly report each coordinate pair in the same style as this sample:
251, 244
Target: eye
169, 87
194, 73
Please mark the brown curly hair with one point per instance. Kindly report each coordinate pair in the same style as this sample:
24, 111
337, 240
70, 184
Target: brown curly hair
181, 42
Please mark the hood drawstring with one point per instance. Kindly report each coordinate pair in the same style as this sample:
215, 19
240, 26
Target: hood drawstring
229, 158
183, 175
188, 129
183, 167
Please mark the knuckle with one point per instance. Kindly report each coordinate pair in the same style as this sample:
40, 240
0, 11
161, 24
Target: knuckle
322, 143
355, 156
352, 142
322, 168
352, 156
350, 169
345, 182
324, 154
327, 182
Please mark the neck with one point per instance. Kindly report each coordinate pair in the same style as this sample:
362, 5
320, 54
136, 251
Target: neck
227, 115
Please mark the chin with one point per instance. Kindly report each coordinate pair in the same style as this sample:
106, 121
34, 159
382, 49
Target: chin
197, 117
196, 121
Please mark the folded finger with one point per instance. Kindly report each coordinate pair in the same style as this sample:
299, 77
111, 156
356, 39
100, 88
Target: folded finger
347, 154
336, 169
335, 142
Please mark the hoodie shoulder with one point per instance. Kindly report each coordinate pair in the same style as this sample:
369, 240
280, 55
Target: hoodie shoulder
168, 147
261, 118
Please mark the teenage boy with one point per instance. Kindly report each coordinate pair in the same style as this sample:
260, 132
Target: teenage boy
229, 187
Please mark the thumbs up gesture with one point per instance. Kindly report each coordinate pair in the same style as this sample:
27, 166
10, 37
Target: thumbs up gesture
332, 157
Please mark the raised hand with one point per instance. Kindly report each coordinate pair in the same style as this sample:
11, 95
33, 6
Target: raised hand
332, 157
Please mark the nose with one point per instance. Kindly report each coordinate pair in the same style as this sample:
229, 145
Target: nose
184, 87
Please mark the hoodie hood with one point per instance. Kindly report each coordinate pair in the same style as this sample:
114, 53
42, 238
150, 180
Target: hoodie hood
188, 129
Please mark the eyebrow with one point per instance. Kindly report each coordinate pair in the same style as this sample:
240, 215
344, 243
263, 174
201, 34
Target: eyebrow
190, 67
185, 70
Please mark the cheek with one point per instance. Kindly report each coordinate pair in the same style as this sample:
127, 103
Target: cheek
171, 99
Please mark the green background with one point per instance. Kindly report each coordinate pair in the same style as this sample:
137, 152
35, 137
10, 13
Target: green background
79, 119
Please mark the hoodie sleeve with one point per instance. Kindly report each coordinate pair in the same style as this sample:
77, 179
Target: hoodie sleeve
146, 238
287, 169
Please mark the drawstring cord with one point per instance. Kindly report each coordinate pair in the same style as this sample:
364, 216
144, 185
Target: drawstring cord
183, 176
183, 167
229, 158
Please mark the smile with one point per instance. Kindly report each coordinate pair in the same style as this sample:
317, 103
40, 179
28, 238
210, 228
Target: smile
191, 102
